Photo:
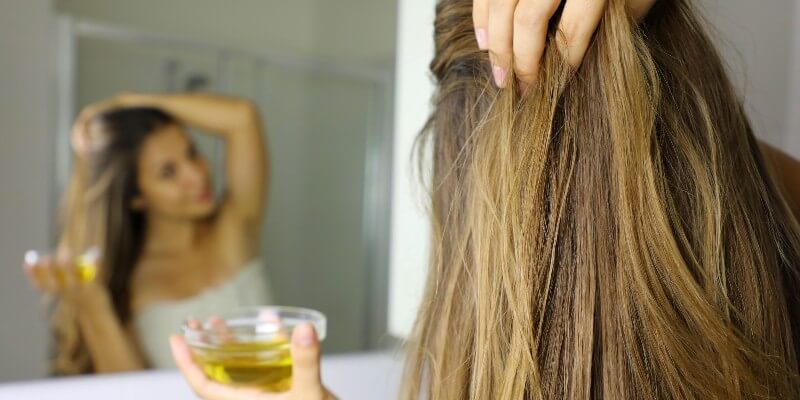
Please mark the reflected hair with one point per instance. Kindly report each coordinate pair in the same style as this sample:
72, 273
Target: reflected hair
98, 212
611, 232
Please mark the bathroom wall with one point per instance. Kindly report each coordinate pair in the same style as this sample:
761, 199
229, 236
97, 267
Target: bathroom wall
25, 147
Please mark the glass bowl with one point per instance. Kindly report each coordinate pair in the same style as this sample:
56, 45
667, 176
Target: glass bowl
251, 346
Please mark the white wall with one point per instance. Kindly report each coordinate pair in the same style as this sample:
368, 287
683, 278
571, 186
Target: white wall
25, 179
356, 31
760, 40
410, 230
793, 106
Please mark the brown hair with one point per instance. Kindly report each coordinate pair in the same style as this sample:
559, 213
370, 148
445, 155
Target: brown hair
98, 212
612, 232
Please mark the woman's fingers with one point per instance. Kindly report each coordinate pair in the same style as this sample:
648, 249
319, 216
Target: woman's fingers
306, 380
59, 275
65, 272
517, 32
500, 31
200, 383
190, 370
274, 321
220, 329
480, 20
81, 135
530, 22
80, 130
578, 23
183, 359
45, 272
31, 276
29, 266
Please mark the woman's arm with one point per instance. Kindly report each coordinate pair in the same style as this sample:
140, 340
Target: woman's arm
787, 171
110, 346
238, 122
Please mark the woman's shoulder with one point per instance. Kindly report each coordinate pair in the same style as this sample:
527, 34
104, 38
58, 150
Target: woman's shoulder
167, 278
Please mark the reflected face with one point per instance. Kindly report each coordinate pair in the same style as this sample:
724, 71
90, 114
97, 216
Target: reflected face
174, 181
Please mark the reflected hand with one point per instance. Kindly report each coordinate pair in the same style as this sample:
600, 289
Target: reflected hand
306, 381
515, 31
57, 274
83, 138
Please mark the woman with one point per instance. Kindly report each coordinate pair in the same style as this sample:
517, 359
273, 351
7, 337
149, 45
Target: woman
604, 223
142, 193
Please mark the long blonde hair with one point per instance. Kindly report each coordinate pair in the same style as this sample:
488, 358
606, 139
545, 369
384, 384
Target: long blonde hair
612, 232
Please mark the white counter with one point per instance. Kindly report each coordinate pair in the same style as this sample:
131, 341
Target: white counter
367, 376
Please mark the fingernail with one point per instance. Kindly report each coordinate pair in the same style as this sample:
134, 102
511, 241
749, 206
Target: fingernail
480, 35
31, 257
305, 335
499, 75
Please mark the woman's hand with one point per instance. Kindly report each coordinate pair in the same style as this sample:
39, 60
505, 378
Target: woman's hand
57, 274
515, 31
84, 139
306, 381
238, 122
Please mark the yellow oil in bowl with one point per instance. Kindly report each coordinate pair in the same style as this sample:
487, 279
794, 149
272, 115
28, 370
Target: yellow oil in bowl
265, 365
249, 347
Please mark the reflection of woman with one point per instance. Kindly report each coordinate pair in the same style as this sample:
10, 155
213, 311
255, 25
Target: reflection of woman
142, 193
608, 229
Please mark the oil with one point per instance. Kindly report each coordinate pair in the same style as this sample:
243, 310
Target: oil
86, 267
264, 365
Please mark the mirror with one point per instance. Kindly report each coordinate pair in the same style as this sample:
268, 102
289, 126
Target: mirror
319, 73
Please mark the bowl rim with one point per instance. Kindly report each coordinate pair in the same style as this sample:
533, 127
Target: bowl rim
193, 335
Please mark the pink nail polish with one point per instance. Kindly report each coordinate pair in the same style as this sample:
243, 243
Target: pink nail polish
499, 76
483, 40
305, 335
